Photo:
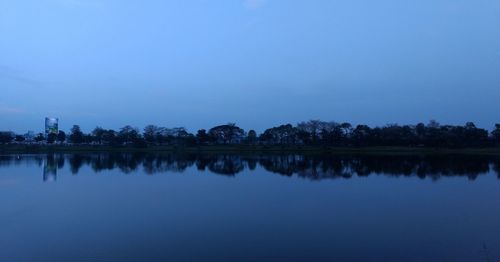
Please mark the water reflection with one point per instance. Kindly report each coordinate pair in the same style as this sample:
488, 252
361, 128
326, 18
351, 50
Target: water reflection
314, 167
50, 167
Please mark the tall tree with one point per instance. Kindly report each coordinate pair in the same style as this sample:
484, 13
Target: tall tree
284, 134
51, 138
252, 137
346, 131
97, 134
76, 136
312, 127
202, 137
151, 133
109, 137
61, 136
361, 135
130, 135
227, 134
496, 134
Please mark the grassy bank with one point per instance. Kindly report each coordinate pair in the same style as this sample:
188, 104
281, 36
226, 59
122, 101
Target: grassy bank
22, 149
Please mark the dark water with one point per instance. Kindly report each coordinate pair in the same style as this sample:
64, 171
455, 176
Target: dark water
136, 207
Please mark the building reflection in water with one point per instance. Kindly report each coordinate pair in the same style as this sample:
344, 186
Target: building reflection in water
313, 167
50, 168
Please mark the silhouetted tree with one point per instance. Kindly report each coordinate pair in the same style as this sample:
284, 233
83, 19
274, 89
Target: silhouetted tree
151, 134
312, 128
127, 134
361, 135
227, 134
6, 137
251, 137
475, 136
97, 134
20, 138
496, 134
40, 137
346, 130
284, 134
61, 136
109, 137
130, 135
202, 137
76, 136
420, 133
51, 138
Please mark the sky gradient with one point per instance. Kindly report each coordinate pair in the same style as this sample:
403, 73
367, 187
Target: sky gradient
259, 63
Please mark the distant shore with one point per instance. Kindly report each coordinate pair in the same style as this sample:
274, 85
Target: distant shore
26, 149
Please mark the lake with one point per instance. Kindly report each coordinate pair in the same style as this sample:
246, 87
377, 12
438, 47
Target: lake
230, 207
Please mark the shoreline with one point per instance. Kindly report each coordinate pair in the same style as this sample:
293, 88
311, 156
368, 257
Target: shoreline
244, 149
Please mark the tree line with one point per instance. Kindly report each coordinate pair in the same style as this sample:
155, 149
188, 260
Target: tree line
309, 133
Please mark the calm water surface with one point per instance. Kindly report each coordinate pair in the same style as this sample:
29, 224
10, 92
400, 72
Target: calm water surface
137, 207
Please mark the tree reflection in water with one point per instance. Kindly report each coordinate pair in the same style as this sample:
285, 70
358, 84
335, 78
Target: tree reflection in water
315, 167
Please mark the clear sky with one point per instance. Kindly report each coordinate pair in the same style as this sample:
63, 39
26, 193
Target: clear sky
259, 63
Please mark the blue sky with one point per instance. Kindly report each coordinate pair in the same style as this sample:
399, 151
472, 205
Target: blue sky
259, 63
